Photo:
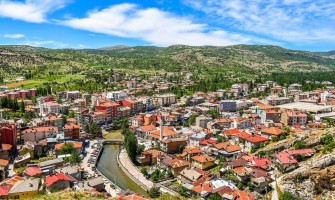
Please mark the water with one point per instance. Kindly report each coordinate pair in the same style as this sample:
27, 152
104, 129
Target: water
109, 167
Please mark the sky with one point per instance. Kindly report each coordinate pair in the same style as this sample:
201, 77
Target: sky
294, 24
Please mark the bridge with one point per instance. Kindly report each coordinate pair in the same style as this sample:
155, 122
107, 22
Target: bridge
113, 142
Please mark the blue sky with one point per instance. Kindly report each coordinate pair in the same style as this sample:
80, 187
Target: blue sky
295, 24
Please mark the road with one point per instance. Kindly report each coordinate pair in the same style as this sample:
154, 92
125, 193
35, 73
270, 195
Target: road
84, 164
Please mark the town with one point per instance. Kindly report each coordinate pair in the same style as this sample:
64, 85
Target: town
259, 141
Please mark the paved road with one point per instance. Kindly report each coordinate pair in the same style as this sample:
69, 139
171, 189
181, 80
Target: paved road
134, 171
90, 150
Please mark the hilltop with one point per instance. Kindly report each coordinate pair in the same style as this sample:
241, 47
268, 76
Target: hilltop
330, 54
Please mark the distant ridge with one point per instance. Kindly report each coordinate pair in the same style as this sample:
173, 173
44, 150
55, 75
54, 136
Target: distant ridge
330, 54
116, 47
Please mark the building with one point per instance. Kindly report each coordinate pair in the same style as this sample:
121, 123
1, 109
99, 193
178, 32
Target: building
57, 182
25, 189
203, 161
228, 105
275, 100
72, 131
202, 121
135, 106
72, 95
116, 95
49, 107
110, 110
164, 99
292, 118
78, 146
177, 165
39, 133
8, 134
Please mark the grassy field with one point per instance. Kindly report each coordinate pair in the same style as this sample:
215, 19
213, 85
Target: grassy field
26, 84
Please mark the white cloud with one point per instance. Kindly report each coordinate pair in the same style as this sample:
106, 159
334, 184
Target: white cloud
44, 43
30, 10
14, 36
153, 26
288, 20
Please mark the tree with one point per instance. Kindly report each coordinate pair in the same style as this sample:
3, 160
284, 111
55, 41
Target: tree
213, 113
299, 144
191, 119
140, 149
130, 143
214, 196
182, 191
22, 106
71, 114
287, 196
67, 148
154, 192
92, 128
144, 171
75, 158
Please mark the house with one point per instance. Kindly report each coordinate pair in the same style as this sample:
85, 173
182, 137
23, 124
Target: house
189, 176
22, 160
57, 182
74, 171
191, 151
25, 189
292, 118
201, 121
285, 161
97, 183
242, 173
144, 131
221, 123
234, 164
32, 171
6, 151
133, 197
49, 165
203, 161
4, 191
227, 149
242, 195
177, 165
149, 157
272, 132
254, 142
195, 139
173, 145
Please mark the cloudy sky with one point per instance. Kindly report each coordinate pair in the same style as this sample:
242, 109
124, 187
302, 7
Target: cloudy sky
295, 24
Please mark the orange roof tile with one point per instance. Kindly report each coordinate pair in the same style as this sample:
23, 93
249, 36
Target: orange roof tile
203, 158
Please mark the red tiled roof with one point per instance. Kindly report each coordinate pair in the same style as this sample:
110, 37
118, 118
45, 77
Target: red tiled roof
133, 197
209, 141
242, 195
6, 147
49, 180
147, 128
176, 163
41, 129
4, 189
256, 139
33, 171
192, 149
4, 163
203, 158
272, 131
305, 152
285, 158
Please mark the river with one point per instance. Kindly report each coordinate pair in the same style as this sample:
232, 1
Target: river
109, 167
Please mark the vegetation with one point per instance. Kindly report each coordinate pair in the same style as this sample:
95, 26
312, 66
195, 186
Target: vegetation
328, 143
131, 145
68, 148
92, 128
154, 192
288, 196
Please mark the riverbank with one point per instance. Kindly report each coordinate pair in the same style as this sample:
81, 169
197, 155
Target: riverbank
107, 165
135, 174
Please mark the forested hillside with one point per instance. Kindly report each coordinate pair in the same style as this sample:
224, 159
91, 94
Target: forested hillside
237, 58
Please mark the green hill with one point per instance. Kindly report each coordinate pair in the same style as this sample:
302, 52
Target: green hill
248, 58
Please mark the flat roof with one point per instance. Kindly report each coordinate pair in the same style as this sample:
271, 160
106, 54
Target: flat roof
303, 106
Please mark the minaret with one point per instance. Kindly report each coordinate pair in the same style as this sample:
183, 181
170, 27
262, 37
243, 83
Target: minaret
161, 129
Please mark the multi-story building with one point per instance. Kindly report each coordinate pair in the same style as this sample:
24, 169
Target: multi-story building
147, 103
39, 133
228, 105
292, 118
72, 95
135, 106
8, 134
116, 95
164, 99
72, 131
202, 121
49, 107
275, 100
110, 110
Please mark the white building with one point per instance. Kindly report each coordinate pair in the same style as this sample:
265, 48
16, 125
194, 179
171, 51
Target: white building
49, 107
